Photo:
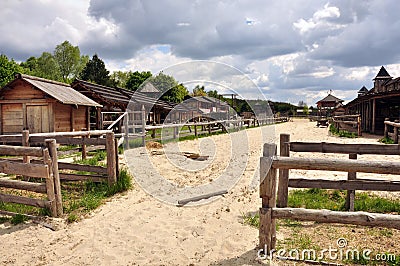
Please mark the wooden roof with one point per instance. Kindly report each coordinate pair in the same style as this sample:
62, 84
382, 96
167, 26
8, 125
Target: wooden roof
383, 74
118, 96
60, 91
330, 98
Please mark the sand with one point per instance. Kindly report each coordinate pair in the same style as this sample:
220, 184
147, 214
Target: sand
138, 228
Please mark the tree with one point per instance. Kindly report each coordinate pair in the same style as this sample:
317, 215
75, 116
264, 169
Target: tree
305, 110
213, 93
173, 92
136, 79
7, 69
68, 59
120, 78
47, 67
95, 71
199, 91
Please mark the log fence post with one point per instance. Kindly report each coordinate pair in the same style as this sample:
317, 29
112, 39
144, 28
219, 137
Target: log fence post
111, 161
25, 143
351, 193
283, 182
396, 132
143, 116
267, 230
52, 149
385, 133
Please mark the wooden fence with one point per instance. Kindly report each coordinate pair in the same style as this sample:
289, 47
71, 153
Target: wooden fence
103, 138
274, 204
46, 170
350, 123
392, 130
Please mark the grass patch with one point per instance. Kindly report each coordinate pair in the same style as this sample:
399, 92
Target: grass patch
341, 133
251, 219
386, 140
18, 218
84, 197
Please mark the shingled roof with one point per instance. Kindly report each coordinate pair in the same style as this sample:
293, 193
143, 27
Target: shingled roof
60, 91
330, 98
383, 74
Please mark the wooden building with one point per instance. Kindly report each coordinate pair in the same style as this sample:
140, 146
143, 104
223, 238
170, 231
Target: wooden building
116, 101
328, 104
380, 102
41, 105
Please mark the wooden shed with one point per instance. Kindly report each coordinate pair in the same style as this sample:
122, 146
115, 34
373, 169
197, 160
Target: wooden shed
42, 105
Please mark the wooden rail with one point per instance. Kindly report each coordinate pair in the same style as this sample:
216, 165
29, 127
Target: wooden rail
46, 170
392, 130
351, 123
274, 204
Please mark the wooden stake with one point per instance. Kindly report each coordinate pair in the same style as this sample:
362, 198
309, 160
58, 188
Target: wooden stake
52, 149
283, 173
111, 162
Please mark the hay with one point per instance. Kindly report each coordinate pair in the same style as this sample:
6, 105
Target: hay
153, 145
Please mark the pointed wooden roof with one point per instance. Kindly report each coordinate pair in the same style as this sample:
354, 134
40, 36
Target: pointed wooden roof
383, 74
330, 98
363, 90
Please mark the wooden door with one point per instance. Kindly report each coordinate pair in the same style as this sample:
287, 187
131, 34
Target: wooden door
37, 118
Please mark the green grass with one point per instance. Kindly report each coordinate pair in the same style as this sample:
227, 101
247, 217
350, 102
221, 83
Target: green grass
341, 133
386, 140
251, 219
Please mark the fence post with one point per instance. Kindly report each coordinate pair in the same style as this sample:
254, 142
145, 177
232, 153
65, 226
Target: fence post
127, 130
396, 132
385, 133
195, 129
52, 148
143, 125
84, 153
283, 182
359, 133
116, 157
25, 143
50, 183
267, 230
111, 162
351, 193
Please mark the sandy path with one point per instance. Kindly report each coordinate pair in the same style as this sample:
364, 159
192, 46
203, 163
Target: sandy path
137, 229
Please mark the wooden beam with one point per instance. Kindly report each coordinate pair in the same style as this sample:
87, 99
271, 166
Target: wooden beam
327, 216
76, 177
324, 147
200, 197
24, 200
17, 184
20, 151
31, 170
282, 197
359, 184
378, 167
80, 167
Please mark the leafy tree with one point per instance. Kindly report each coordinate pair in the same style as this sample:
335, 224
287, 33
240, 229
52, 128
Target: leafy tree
199, 91
47, 67
213, 93
120, 78
136, 79
30, 65
173, 92
306, 110
95, 71
68, 59
7, 69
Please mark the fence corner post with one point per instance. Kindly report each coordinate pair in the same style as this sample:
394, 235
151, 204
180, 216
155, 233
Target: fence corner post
267, 230
283, 180
52, 147
111, 159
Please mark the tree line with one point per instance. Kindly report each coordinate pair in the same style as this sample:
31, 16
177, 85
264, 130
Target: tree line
66, 63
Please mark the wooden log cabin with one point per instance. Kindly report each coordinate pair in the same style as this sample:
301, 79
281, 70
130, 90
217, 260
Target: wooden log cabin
42, 105
380, 102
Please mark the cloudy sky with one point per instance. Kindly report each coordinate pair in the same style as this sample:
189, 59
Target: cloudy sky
291, 50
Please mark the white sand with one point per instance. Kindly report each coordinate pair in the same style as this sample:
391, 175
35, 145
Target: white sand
137, 229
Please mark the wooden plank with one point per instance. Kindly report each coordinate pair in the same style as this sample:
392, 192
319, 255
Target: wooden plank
377, 167
24, 200
32, 170
327, 216
17, 184
70, 140
50, 157
76, 177
72, 134
50, 183
80, 167
325, 147
200, 197
20, 151
351, 194
359, 184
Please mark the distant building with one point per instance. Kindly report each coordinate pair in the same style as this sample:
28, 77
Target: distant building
328, 104
380, 102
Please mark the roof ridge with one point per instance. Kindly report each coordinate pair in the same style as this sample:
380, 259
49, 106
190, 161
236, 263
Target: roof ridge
25, 76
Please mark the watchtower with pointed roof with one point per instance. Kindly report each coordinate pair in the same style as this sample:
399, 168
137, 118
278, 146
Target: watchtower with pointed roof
381, 78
